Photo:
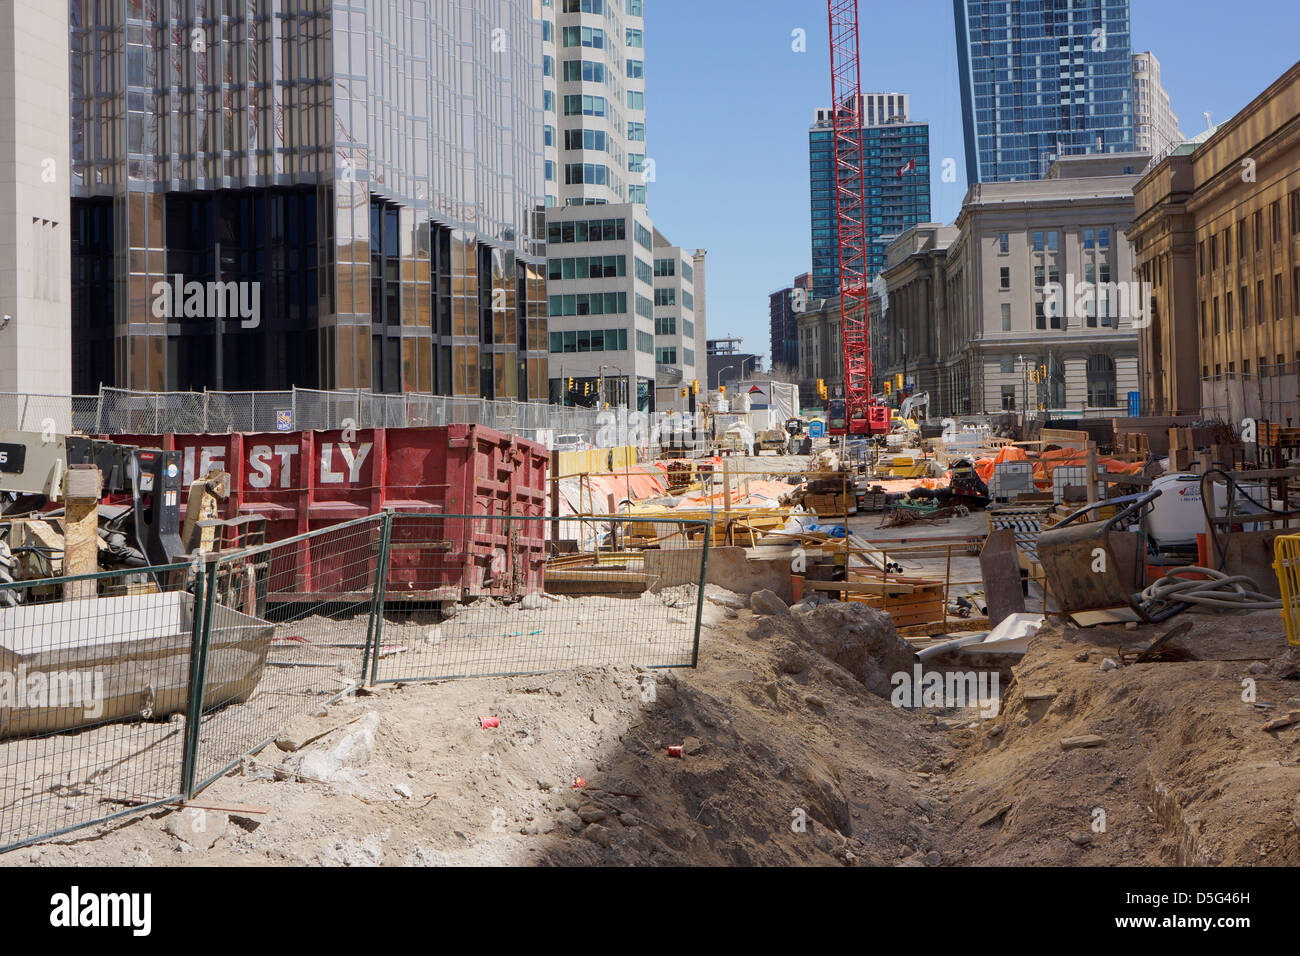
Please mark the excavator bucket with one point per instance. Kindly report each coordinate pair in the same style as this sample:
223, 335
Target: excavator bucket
1095, 565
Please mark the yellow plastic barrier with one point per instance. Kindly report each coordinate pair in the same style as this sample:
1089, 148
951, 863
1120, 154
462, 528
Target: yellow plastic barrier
1286, 565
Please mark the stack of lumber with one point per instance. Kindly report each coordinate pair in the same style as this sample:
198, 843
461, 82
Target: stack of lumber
910, 601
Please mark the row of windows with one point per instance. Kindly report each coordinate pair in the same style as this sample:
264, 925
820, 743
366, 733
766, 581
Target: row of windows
645, 308
644, 272
1243, 303
593, 139
595, 340
667, 325
588, 267
645, 342
1050, 240
596, 174
584, 71
643, 238
588, 230
592, 37
1252, 236
589, 303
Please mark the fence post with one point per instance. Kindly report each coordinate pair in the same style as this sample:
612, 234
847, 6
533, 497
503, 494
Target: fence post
375, 630
200, 629
699, 597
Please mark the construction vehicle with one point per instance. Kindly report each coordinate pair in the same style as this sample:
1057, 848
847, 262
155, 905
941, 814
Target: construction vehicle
914, 404
861, 415
34, 469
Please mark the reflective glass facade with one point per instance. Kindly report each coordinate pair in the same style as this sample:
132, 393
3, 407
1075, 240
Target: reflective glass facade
1042, 79
898, 195
375, 165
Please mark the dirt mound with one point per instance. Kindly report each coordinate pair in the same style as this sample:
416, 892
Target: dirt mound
861, 640
1183, 773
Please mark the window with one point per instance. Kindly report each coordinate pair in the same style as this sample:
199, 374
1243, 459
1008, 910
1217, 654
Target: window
645, 342
1006, 316
1216, 315
588, 303
1004, 243
635, 100
665, 296
592, 37
1243, 299
1277, 222
1004, 275
688, 332
1295, 213
1227, 311
1040, 316
1200, 257
636, 132
1260, 314
584, 71
644, 272
666, 355
666, 325
635, 69
645, 308
688, 300
634, 8
1277, 296
635, 38
665, 267
643, 237
583, 105
596, 340
1008, 398
1259, 231
1008, 365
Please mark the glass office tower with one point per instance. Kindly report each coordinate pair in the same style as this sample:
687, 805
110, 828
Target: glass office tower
1042, 79
375, 166
896, 165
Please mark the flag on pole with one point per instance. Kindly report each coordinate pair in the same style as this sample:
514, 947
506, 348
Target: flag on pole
909, 167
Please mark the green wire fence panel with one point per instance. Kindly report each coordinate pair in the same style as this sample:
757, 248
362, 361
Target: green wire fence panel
94, 684
287, 626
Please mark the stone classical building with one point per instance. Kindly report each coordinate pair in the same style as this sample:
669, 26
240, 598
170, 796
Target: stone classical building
919, 341
1039, 285
1216, 233
820, 352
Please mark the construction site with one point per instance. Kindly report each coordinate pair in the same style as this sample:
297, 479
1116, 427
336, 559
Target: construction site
955, 643
427, 554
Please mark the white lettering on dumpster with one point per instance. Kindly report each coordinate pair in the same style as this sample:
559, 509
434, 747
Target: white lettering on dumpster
353, 458
259, 463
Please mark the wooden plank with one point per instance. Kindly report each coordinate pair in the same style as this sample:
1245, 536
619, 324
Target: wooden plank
861, 587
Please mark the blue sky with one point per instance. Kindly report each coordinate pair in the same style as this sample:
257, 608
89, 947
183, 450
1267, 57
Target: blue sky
729, 104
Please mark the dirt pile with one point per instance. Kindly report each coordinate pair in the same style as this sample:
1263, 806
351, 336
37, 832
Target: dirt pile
1183, 774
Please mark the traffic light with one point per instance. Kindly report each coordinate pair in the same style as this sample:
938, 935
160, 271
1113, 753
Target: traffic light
684, 393
570, 383
695, 386
898, 381
586, 388
1042, 373
821, 387
888, 385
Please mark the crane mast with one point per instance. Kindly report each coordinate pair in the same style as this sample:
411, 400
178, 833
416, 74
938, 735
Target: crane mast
861, 417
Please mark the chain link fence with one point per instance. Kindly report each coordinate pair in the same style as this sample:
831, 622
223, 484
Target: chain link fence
122, 691
1272, 395
118, 411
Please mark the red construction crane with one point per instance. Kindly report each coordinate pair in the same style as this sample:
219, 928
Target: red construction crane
861, 415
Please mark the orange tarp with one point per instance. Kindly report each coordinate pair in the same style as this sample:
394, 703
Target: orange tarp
984, 466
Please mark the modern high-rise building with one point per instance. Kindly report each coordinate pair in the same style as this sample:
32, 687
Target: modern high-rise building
619, 323
371, 179
1041, 79
784, 307
1155, 125
896, 166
